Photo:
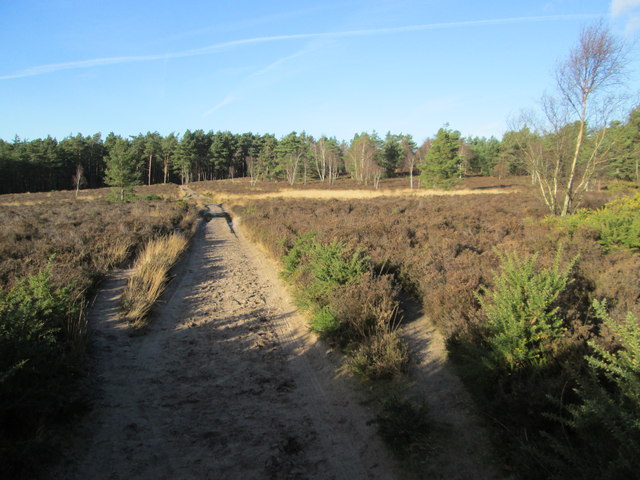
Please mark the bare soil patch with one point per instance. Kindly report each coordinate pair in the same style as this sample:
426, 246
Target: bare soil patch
463, 448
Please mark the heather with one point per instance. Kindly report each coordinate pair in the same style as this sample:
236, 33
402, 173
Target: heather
511, 292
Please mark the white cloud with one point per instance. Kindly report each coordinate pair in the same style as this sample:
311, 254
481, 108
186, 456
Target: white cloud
633, 24
630, 10
620, 7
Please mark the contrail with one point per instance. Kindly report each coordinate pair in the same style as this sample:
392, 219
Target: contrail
280, 61
97, 62
227, 100
231, 97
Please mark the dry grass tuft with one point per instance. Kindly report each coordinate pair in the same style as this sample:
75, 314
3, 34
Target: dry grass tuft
114, 253
383, 355
149, 277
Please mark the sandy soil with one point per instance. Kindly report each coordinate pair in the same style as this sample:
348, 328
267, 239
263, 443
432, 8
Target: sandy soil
461, 447
227, 383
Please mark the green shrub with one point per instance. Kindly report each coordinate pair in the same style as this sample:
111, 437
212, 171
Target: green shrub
325, 324
302, 246
36, 367
319, 268
151, 197
331, 264
523, 319
617, 223
605, 424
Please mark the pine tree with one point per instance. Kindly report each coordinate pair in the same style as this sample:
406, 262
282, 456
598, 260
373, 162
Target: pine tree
122, 171
441, 167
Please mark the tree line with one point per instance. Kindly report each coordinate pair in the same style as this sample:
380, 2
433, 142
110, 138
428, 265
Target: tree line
90, 161
93, 161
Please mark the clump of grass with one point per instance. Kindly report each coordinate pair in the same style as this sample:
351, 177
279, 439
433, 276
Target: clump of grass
113, 253
406, 427
149, 277
383, 355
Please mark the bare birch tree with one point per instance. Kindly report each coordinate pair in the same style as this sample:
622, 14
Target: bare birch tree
409, 156
588, 84
78, 178
586, 81
326, 155
362, 158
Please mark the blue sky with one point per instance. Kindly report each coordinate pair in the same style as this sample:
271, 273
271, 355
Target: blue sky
326, 67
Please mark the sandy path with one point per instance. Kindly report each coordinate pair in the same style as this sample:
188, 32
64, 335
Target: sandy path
227, 383
462, 449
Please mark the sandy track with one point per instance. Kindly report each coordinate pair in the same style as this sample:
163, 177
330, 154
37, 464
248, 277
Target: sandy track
462, 448
227, 383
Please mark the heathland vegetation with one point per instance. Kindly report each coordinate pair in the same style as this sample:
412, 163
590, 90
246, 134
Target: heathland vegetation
53, 252
518, 297
540, 313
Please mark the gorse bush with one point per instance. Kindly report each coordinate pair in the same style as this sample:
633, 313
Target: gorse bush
524, 352
320, 268
349, 305
605, 423
324, 323
38, 367
617, 223
301, 248
523, 316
